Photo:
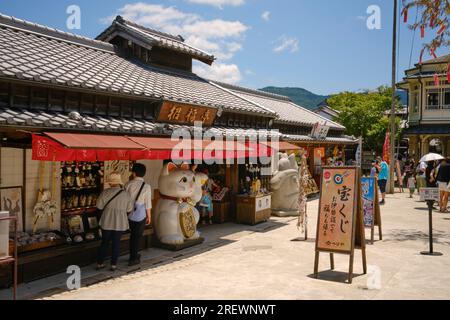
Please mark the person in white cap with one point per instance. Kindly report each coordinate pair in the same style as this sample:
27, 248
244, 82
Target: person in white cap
116, 204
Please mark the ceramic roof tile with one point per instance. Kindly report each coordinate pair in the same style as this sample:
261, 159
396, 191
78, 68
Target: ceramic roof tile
288, 111
82, 64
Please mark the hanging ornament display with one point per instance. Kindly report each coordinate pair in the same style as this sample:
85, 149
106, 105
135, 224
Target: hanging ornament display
436, 80
405, 15
421, 56
433, 53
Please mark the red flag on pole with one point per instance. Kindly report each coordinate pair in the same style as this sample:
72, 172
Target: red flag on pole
387, 147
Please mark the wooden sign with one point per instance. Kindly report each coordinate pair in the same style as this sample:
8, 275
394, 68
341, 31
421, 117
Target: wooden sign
340, 223
171, 112
371, 206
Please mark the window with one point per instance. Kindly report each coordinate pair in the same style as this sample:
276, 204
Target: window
414, 102
432, 99
446, 99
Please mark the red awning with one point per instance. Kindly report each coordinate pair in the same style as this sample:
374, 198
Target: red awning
282, 146
94, 141
91, 147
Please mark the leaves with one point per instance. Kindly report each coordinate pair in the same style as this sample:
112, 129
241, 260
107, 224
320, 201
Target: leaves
363, 114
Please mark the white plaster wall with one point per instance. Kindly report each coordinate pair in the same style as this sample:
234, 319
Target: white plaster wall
12, 167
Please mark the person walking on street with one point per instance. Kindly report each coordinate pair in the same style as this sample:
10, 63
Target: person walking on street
382, 179
141, 193
443, 180
421, 175
115, 203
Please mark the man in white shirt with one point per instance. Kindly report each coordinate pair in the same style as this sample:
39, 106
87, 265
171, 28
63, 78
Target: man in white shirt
141, 193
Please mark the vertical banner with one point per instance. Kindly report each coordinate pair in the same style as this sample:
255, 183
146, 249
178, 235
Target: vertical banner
387, 147
368, 187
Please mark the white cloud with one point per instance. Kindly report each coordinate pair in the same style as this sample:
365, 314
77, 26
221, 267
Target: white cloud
249, 72
219, 3
285, 43
228, 73
266, 16
220, 37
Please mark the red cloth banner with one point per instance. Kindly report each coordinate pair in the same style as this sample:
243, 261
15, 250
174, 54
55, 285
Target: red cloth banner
448, 73
405, 15
422, 32
387, 147
436, 80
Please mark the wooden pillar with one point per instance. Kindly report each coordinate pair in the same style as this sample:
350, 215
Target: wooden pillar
424, 146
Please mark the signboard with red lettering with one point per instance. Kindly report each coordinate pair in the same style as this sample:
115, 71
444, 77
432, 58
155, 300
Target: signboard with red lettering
337, 210
340, 222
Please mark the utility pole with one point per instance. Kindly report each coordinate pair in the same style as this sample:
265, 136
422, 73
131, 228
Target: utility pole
392, 135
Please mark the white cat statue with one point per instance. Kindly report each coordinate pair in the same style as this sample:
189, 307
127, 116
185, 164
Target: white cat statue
176, 217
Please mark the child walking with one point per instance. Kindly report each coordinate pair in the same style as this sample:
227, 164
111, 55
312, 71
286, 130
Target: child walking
411, 185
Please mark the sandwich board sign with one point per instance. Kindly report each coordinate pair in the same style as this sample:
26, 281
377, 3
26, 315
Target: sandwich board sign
340, 224
371, 206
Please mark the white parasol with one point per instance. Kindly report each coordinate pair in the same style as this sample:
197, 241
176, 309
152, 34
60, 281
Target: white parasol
431, 157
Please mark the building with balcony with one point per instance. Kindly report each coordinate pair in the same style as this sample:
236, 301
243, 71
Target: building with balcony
428, 127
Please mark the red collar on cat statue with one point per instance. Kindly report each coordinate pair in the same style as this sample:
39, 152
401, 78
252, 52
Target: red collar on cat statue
179, 200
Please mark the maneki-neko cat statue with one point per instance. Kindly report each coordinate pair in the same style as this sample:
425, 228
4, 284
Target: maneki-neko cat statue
285, 187
176, 217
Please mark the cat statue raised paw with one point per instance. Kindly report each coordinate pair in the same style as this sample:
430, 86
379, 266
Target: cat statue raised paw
176, 217
285, 187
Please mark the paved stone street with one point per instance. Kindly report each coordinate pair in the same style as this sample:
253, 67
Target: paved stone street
262, 262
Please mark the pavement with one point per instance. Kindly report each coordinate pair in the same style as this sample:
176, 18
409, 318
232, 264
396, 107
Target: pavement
266, 262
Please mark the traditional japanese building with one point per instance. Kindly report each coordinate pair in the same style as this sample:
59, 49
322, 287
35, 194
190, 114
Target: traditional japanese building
72, 107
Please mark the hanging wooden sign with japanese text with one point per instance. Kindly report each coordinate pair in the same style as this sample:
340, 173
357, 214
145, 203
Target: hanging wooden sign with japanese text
340, 222
371, 205
171, 112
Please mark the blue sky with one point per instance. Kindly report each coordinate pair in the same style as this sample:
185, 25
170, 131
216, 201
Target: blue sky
320, 45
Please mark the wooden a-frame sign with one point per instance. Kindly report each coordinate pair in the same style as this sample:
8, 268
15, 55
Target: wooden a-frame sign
372, 218
340, 222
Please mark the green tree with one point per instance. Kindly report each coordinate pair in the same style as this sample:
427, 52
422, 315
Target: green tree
364, 115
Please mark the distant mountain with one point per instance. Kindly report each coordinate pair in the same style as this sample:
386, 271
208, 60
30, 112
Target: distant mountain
300, 96
310, 100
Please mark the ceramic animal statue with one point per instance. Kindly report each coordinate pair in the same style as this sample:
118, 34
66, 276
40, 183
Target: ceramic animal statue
285, 187
176, 217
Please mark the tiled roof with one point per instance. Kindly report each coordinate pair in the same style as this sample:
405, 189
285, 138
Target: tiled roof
28, 52
155, 38
288, 112
74, 122
300, 138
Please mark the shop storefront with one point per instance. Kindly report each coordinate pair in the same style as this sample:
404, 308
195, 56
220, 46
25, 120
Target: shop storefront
62, 133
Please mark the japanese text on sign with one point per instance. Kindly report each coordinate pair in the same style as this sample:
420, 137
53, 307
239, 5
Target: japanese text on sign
336, 213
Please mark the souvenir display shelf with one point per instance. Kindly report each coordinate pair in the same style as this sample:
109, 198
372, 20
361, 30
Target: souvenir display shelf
13, 257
